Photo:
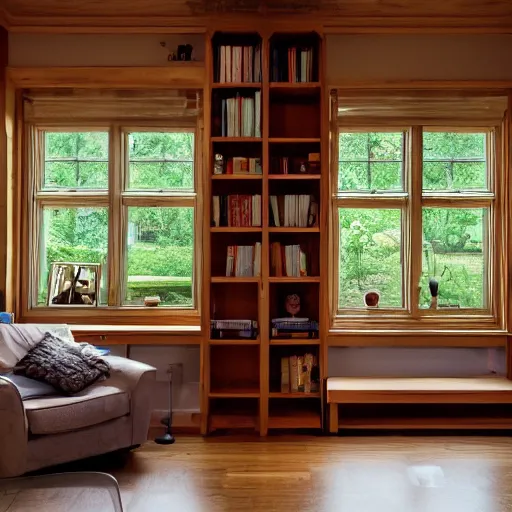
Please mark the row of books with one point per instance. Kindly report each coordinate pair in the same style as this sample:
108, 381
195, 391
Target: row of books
238, 64
241, 116
293, 327
294, 211
243, 260
226, 329
300, 374
294, 165
237, 211
287, 260
293, 65
236, 165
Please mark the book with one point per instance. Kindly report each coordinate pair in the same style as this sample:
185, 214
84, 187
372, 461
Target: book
294, 211
243, 260
238, 64
236, 211
287, 260
240, 115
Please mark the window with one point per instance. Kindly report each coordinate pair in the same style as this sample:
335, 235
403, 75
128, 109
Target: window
124, 198
416, 206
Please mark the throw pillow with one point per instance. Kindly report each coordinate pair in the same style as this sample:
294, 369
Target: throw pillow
67, 366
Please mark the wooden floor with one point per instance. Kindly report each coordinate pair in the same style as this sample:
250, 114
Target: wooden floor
342, 474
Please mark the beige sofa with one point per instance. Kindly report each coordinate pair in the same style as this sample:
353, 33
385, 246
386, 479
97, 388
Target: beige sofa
107, 416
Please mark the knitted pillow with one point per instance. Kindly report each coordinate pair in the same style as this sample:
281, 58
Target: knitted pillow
67, 366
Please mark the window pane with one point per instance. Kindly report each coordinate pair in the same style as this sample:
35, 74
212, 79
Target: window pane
161, 161
160, 255
370, 161
454, 161
73, 235
76, 160
454, 248
370, 256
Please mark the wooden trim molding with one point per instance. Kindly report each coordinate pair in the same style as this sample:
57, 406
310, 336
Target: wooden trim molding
179, 75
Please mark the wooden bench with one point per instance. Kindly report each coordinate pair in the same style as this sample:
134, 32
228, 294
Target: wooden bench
477, 390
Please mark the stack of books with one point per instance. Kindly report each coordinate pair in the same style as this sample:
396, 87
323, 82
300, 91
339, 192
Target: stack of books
236, 165
229, 329
244, 260
294, 211
241, 115
292, 64
237, 211
291, 327
287, 260
238, 64
300, 374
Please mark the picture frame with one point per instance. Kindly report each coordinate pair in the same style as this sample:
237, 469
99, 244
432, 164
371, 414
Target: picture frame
74, 284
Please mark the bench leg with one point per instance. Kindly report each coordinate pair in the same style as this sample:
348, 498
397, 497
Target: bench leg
333, 418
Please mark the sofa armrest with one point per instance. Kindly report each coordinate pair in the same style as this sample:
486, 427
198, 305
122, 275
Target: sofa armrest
13, 431
139, 380
128, 371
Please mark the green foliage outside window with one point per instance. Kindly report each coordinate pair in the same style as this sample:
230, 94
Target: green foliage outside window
160, 240
453, 238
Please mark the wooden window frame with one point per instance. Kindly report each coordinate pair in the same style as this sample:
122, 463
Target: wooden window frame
117, 200
411, 202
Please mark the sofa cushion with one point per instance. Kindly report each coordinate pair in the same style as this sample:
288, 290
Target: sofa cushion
68, 366
99, 403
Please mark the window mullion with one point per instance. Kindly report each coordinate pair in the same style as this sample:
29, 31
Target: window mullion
115, 232
415, 228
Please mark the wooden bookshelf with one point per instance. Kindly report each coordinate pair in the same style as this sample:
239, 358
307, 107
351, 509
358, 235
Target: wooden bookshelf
242, 376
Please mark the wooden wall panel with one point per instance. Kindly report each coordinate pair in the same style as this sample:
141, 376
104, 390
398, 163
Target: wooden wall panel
5, 164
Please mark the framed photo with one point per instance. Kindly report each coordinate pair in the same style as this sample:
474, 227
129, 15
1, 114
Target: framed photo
74, 284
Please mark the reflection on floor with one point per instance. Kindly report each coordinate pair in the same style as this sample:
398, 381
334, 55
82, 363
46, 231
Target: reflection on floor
348, 474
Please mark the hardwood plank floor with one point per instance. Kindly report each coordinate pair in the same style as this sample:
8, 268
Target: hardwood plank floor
321, 474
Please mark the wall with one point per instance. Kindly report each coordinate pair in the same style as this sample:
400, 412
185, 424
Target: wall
366, 58
349, 57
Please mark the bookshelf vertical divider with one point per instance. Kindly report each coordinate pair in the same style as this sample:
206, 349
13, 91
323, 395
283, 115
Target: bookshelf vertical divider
279, 152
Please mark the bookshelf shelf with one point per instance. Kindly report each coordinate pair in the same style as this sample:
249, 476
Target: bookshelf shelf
236, 85
294, 395
264, 87
237, 177
235, 230
294, 341
293, 230
222, 279
294, 176
235, 393
295, 140
235, 342
294, 279
236, 139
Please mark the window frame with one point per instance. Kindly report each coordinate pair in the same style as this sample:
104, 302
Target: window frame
117, 200
411, 202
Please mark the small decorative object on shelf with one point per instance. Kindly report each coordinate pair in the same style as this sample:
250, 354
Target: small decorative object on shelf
292, 305
300, 374
151, 302
433, 286
185, 52
371, 299
230, 329
74, 284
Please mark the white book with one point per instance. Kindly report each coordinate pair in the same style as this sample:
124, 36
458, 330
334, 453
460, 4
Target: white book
222, 64
229, 77
275, 210
257, 114
216, 211
303, 65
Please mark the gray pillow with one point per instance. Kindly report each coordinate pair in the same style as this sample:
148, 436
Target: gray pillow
30, 388
67, 366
